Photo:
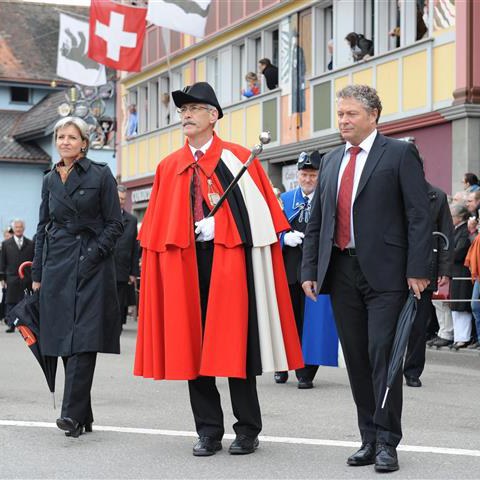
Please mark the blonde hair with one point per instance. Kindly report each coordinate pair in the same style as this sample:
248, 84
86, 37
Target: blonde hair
79, 124
251, 76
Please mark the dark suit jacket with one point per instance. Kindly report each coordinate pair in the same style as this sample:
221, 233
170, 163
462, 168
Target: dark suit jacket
10, 259
391, 216
441, 222
126, 250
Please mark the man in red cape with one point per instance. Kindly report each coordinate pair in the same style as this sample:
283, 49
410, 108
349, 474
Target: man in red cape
214, 299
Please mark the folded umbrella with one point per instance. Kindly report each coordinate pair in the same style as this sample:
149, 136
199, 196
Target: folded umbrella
400, 342
26, 317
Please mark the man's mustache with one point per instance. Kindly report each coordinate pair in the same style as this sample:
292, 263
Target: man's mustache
188, 123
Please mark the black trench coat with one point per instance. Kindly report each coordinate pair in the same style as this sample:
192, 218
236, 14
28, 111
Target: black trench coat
79, 224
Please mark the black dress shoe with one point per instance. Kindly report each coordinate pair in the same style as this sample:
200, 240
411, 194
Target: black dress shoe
280, 377
304, 383
413, 381
206, 447
243, 445
10, 329
364, 456
71, 426
87, 428
386, 459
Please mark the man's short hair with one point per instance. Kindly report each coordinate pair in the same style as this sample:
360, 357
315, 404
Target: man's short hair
364, 94
17, 220
460, 211
121, 188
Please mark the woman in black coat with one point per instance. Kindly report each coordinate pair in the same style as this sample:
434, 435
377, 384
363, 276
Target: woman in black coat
79, 223
461, 289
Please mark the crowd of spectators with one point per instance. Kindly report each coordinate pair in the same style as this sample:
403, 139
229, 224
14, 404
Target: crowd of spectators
458, 310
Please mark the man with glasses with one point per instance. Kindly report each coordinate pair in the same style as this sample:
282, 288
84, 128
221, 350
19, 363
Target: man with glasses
214, 298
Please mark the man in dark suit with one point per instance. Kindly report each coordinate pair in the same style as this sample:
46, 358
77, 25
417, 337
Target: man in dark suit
367, 241
126, 256
441, 271
15, 251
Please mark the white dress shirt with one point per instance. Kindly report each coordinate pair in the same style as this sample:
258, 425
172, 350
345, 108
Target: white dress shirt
18, 241
202, 149
362, 156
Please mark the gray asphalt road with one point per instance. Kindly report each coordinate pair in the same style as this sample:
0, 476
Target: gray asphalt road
144, 429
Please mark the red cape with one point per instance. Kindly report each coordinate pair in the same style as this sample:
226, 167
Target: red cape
169, 341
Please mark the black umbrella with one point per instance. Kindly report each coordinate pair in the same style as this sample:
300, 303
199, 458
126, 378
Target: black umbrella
26, 317
404, 326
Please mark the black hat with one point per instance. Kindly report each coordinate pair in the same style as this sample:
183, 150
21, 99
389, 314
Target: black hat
309, 160
200, 92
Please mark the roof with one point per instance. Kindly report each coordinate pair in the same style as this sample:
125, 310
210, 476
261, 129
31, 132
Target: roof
36, 122
12, 150
29, 39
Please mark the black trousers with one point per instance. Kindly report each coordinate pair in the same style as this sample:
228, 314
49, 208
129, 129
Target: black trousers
415, 358
366, 322
204, 396
122, 293
297, 296
79, 370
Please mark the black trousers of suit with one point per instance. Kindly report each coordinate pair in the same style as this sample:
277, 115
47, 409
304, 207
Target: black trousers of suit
79, 370
204, 396
297, 296
366, 322
415, 358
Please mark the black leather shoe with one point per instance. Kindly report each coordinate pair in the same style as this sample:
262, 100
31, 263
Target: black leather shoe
442, 342
206, 447
87, 428
304, 383
386, 459
10, 329
280, 377
243, 445
413, 381
364, 456
71, 426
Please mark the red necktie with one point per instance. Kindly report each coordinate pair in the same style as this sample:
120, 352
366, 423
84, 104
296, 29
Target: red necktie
344, 201
197, 191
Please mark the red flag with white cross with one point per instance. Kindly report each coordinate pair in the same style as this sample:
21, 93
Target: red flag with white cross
117, 33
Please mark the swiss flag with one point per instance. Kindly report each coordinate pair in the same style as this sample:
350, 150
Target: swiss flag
116, 35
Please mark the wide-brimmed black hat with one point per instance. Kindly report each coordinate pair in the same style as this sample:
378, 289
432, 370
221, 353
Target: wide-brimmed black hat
200, 92
309, 160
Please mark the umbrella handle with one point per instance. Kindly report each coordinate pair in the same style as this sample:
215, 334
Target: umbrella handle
21, 268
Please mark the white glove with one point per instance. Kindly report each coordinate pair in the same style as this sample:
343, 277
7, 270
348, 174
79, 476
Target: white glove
293, 239
205, 229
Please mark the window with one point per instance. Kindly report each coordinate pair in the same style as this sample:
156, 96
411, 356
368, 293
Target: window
271, 47
143, 109
219, 75
239, 70
153, 105
19, 95
165, 106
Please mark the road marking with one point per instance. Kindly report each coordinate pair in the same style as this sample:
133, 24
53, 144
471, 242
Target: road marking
263, 438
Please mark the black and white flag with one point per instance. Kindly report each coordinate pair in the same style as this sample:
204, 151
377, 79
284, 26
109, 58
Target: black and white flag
186, 16
73, 62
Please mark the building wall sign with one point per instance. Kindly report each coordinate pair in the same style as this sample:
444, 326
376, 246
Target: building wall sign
289, 177
142, 195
